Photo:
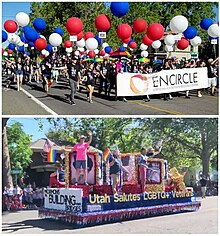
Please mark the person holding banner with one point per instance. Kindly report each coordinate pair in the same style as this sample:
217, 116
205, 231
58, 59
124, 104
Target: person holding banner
212, 75
81, 156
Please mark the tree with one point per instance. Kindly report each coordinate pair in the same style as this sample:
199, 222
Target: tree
6, 167
18, 144
57, 13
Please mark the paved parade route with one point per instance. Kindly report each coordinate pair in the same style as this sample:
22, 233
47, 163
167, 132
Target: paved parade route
204, 221
33, 100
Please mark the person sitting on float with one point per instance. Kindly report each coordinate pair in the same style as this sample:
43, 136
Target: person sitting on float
116, 168
59, 173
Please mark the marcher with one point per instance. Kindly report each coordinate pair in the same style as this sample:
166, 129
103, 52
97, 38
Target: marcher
203, 183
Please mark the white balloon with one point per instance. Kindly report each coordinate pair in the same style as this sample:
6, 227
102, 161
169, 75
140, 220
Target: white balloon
20, 44
213, 31
156, 44
69, 50
125, 45
41, 36
17, 40
169, 40
55, 39
77, 53
81, 49
22, 19
178, 24
104, 45
12, 38
96, 51
144, 54
196, 41
5, 54
91, 44
81, 43
47, 54
43, 52
143, 47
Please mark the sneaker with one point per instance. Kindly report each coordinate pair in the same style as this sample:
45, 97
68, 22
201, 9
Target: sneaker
125, 100
199, 95
147, 100
91, 101
87, 99
86, 184
72, 103
188, 97
170, 97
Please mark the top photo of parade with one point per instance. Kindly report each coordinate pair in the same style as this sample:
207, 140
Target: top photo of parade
110, 58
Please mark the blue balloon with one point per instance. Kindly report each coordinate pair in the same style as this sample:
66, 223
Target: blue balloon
23, 39
108, 49
190, 32
11, 46
4, 36
39, 24
31, 44
119, 9
121, 49
21, 49
27, 53
31, 35
205, 23
25, 28
49, 48
58, 31
98, 39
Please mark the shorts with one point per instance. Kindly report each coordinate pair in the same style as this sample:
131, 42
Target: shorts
81, 164
19, 72
90, 82
55, 73
212, 81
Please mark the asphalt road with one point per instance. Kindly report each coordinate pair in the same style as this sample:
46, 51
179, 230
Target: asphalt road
204, 221
32, 100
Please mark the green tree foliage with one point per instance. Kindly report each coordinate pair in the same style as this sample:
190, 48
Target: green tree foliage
186, 142
18, 143
57, 13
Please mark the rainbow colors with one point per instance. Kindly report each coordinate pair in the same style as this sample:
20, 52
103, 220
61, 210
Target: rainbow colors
51, 155
107, 154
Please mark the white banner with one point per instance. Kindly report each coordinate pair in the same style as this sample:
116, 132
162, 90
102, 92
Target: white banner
165, 81
63, 199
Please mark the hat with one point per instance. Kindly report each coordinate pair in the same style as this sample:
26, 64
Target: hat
82, 136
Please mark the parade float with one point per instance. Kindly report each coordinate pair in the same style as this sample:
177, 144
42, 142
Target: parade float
93, 204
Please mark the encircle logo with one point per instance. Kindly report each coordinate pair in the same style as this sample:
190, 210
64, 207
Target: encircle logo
139, 84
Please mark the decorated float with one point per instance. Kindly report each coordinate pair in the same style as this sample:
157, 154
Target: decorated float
165, 192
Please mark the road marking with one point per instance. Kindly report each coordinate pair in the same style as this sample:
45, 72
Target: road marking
46, 108
157, 108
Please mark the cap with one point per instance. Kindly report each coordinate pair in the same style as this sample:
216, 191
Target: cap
82, 136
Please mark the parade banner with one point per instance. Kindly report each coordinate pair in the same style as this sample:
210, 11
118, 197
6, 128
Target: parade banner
63, 199
166, 81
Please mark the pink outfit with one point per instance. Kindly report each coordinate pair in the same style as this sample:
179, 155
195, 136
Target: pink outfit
81, 151
118, 66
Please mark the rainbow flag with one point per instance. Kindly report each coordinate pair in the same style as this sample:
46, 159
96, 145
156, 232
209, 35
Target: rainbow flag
107, 154
51, 155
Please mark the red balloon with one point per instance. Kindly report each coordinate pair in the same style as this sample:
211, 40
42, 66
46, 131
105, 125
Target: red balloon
140, 25
124, 31
67, 44
10, 26
147, 41
132, 45
182, 44
3, 50
10, 51
126, 40
102, 23
79, 36
40, 44
88, 35
74, 25
155, 31
91, 54
102, 53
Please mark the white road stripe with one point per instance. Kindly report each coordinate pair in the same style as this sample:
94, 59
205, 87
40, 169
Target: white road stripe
46, 108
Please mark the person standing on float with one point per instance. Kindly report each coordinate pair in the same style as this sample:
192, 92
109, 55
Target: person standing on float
81, 156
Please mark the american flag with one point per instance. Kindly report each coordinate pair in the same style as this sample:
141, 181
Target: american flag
47, 145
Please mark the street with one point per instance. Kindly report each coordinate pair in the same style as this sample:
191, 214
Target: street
32, 100
204, 221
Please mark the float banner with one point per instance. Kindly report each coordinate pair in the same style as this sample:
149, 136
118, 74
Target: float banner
63, 199
166, 81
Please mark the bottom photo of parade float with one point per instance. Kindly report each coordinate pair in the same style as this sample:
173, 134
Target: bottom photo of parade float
163, 192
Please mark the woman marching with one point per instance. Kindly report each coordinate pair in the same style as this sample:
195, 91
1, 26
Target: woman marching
19, 73
46, 76
90, 83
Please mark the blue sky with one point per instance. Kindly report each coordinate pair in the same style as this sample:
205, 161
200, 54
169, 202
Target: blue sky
31, 127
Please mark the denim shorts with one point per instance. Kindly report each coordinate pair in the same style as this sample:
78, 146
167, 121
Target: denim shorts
80, 164
19, 72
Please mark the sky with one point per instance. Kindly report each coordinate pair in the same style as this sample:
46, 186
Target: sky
31, 127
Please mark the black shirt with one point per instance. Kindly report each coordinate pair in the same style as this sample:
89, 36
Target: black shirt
73, 71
